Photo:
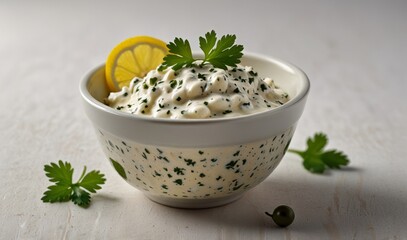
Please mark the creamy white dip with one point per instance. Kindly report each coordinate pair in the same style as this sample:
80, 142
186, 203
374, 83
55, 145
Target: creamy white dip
199, 92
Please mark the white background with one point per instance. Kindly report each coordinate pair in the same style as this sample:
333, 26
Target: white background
354, 53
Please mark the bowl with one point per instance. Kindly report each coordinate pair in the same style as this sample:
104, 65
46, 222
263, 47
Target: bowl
198, 163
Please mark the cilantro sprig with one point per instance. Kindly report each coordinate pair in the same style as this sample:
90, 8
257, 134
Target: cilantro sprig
220, 53
316, 159
64, 189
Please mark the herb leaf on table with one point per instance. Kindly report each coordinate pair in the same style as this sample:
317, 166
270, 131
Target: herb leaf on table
316, 160
64, 189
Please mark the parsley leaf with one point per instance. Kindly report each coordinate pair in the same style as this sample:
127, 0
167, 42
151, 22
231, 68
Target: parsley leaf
57, 193
225, 53
61, 173
64, 190
180, 55
207, 43
80, 197
316, 160
220, 53
92, 181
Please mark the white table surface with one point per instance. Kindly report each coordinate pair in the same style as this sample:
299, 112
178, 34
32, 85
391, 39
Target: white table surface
355, 55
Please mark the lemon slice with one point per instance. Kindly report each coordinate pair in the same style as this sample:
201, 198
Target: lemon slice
134, 57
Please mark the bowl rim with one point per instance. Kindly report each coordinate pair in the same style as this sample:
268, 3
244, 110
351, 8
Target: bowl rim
303, 92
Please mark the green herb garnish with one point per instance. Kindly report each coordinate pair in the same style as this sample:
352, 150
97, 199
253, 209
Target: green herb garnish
173, 83
153, 80
64, 190
315, 159
220, 53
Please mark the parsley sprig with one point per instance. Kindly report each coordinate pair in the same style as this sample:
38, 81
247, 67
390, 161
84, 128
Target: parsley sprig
64, 189
220, 53
316, 160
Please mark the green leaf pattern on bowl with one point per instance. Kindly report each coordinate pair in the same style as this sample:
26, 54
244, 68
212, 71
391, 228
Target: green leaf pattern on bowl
195, 173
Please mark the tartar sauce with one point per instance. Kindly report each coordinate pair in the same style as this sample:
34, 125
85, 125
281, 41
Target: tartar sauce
198, 92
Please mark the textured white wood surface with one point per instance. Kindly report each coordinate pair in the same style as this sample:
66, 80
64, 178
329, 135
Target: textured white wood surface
354, 53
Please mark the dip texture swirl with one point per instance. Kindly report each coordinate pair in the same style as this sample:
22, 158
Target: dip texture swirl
199, 92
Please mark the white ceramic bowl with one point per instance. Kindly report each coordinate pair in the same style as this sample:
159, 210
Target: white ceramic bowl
198, 163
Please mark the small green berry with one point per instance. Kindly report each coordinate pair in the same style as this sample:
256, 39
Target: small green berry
283, 216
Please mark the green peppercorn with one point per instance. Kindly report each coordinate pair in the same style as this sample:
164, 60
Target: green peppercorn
283, 216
